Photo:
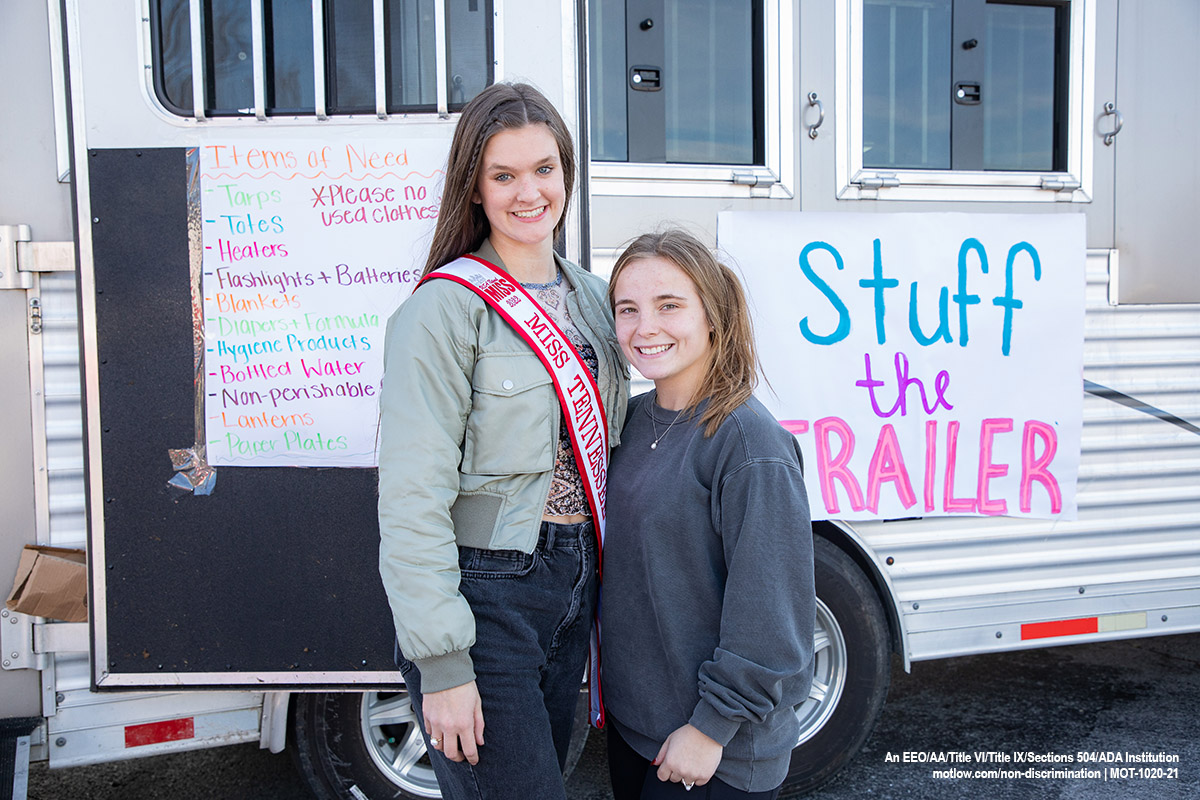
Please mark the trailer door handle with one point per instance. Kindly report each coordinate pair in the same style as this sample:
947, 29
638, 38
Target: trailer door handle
967, 94
645, 79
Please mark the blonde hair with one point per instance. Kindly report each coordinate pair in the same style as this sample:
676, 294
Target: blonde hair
732, 370
462, 224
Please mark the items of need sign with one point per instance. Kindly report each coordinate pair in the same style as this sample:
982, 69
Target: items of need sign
308, 248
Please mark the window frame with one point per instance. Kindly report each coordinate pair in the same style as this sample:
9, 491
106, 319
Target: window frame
187, 117
1073, 184
773, 178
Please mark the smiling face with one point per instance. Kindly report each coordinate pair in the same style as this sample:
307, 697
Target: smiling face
521, 190
662, 327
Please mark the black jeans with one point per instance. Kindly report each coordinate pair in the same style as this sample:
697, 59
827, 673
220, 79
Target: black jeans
635, 778
533, 615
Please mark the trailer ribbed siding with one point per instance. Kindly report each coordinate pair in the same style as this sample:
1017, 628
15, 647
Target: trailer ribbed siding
968, 584
64, 420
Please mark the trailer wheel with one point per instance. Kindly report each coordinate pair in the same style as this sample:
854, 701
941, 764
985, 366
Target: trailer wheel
851, 672
364, 740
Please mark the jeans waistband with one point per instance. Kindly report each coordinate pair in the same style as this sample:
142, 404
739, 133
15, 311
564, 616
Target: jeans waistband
570, 535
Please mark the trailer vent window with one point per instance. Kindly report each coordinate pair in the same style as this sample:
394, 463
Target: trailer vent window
261, 58
953, 100
677, 82
964, 84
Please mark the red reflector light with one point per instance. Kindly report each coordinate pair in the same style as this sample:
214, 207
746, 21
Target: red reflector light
171, 730
1063, 627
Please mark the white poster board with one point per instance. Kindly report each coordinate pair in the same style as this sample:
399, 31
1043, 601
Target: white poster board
929, 364
309, 246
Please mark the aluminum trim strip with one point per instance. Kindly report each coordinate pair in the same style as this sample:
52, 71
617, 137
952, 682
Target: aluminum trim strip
380, 61
306, 681
258, 51
318, 13
199, 87
441, 50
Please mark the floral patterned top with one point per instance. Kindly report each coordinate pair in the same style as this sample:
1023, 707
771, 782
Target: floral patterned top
567, 495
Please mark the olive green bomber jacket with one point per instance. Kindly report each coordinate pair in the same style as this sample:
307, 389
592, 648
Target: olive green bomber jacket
468, 433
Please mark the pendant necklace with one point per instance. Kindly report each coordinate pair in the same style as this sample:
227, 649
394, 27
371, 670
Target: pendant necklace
657, 438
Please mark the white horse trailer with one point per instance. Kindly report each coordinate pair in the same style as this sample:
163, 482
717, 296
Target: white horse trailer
680, 112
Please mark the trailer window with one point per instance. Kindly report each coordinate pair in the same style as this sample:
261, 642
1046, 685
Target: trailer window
337, 72
674, 84
679, 85
996, 101
985, 93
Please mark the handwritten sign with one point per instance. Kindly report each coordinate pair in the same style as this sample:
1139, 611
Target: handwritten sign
308, 248
929, 364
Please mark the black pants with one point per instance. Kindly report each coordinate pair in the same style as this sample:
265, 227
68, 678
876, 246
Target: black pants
635, 778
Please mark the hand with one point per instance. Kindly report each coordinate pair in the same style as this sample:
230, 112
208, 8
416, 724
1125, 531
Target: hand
688, 756
454, 718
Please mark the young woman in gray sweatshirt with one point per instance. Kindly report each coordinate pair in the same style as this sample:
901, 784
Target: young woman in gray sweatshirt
707, 601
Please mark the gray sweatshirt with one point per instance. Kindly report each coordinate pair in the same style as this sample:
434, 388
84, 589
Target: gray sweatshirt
707, 601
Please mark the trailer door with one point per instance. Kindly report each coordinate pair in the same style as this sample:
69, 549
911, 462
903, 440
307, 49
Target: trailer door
1150, 127
270, 579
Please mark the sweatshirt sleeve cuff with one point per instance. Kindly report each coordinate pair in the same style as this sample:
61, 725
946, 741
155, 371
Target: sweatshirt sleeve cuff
706, 720
445, 671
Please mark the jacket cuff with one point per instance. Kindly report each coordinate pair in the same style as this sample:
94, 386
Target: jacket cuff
445, 671
708, 721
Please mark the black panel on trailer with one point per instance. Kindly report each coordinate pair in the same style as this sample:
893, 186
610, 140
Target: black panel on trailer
276, 570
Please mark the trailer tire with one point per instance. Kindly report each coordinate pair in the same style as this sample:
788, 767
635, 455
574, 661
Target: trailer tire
852, 669
364, 740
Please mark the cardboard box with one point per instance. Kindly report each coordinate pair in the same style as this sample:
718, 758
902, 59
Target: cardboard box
51, 582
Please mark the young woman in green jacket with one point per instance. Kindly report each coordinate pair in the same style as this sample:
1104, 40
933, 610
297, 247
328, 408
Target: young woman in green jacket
488, 549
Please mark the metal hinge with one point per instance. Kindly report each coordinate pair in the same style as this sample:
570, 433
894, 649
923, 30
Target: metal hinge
754, 179
878, 181
60, 637
16, 639
760, 184
20, 257
1060, 184
28, 644
1064, 186
14, 244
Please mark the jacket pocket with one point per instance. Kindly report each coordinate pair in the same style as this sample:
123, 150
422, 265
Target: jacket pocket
510, 430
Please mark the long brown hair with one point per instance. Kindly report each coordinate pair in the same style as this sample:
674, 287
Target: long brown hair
732, 370
462, 226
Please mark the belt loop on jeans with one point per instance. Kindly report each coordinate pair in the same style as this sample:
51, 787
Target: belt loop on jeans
554, 534
545, 536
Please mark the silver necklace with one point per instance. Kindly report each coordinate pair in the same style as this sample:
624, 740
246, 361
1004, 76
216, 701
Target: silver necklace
657, 438
549, 284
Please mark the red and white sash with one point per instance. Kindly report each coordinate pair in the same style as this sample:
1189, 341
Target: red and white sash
576, 390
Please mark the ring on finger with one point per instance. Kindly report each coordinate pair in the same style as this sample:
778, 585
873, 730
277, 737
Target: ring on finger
687, 785
433, 740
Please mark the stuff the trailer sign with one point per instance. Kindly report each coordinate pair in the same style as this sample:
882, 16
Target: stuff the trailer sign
929, 364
